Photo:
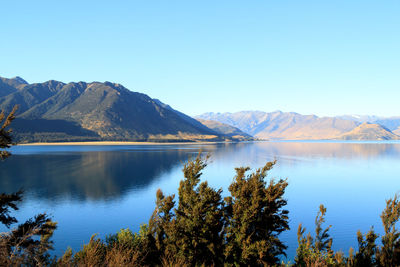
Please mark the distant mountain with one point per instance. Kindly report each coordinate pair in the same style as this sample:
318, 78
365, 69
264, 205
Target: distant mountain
16, 82
370, 131
226, 130
280, 125
55, 111
392, 123
6, 88
359, 118
243, 120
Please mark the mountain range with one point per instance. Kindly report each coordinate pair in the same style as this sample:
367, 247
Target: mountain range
57, 111
96, 111
280, 125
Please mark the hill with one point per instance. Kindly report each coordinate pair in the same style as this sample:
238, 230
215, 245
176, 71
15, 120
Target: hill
280, 125
226, 130
370, 131
391, 123
57, 111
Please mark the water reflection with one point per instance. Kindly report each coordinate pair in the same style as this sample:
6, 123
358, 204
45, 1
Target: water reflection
109, 172
101, 189
86, 175
319, 149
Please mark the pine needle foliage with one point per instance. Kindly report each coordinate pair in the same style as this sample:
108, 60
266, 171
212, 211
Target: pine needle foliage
255, 217
317, 250
389, 253
5, 132
9, 202
161, 226
29, 242
367, 249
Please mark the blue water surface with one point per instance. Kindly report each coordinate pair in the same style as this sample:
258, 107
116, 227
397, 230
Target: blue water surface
103, 188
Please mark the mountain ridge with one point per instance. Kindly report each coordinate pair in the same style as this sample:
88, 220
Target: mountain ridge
280, 125
75, 111
94, 111
226, 130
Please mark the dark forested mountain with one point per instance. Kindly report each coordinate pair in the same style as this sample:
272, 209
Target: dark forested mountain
293, 126
55, 111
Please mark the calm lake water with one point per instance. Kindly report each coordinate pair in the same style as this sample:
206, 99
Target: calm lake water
101, 189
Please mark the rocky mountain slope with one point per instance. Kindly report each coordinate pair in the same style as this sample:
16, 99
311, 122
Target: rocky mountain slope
53, 111
284, 125
226, 130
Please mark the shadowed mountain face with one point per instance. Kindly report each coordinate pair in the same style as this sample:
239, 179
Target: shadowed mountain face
11, 85
226, 130
94, 111
94, 175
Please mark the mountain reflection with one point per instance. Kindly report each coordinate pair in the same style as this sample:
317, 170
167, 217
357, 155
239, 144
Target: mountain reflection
258, 152
112, 172
86, 175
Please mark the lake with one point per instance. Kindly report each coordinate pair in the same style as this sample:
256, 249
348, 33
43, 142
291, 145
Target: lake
101, 189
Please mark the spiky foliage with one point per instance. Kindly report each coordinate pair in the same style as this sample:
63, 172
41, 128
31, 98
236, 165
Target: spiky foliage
199, 217
255, 218
366, 249
22, 246
389, 253
28, 243
312, 251
5, 133
322, 239
7, 202
92, 254
162, 224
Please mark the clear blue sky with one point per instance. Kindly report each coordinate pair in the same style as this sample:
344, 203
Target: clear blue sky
321, 57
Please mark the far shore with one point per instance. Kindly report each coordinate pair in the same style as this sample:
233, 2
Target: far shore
146, 143
113, 143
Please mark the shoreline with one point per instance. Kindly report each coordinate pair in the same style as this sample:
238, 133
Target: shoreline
146, 143
114, 143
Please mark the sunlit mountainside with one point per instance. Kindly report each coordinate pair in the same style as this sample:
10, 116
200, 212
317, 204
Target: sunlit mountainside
57, 111
280, 125
370, 131
80, 111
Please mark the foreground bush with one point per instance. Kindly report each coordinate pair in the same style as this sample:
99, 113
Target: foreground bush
29, 242
202, 228
243, 229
